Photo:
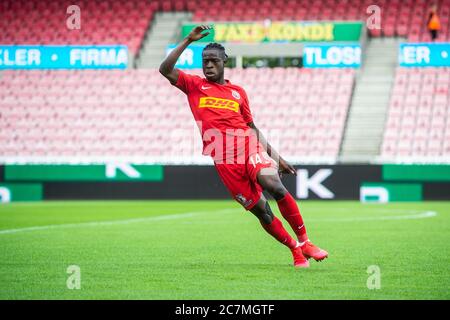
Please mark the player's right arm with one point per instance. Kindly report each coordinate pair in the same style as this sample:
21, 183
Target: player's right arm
167, 67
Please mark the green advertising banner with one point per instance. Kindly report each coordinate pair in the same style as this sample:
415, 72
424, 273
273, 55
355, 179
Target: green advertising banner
388, 192
416, 172
10, 192
279, 31
101, 172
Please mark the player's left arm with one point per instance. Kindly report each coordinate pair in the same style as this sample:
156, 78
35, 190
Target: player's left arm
284, 166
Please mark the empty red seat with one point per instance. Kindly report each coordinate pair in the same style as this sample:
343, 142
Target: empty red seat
421, 114
101, 23
89, 114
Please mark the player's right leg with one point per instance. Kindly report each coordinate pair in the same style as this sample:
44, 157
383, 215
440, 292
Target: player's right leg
271, 182
250, 196
275, 228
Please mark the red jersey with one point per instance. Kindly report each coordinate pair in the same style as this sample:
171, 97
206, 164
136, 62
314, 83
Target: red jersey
220, 108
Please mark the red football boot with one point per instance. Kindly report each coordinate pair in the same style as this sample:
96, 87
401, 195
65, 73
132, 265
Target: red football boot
299, 259
311, 251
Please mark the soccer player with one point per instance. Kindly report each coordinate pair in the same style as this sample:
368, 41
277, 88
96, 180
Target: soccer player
249, 166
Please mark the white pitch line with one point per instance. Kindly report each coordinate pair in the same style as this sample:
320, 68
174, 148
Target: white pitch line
422, 215
112, 222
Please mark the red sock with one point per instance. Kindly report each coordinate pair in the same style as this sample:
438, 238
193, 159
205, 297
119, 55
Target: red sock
276, 229
291, 213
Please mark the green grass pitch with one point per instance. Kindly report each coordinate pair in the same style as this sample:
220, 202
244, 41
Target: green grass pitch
216, 250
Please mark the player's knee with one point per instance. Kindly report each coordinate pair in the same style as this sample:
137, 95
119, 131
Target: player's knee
277, 191
267, 216
273, 186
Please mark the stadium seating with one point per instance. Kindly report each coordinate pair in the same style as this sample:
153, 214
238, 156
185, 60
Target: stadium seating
102, 22
397, 16
136, 115
418, 123
125, 22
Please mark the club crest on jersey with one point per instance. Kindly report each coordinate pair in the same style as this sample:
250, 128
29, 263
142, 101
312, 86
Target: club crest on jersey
242, 200
236, 94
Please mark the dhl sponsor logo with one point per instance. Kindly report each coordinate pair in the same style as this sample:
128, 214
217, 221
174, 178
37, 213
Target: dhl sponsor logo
219, 103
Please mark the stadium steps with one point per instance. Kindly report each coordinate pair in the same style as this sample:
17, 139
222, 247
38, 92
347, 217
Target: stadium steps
367, 116
165, 29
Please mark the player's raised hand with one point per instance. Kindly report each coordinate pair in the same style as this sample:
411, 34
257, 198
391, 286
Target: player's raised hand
285, 167
196, 33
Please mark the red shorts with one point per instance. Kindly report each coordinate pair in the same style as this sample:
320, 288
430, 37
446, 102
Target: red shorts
241, 180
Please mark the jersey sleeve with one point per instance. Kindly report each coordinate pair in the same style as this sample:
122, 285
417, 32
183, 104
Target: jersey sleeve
245, 108
186, 82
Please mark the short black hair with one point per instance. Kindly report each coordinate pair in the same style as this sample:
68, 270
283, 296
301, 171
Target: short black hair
216, 46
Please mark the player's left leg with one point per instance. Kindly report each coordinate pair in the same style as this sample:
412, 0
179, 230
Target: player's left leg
271, 223
275, 228
271, 182
248, 193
